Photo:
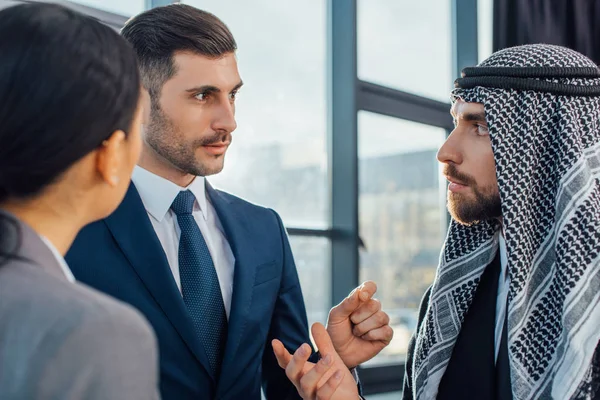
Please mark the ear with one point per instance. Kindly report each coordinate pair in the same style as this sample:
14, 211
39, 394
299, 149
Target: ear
146, 104
110, 158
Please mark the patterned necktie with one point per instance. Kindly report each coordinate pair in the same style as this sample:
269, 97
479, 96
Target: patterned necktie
200, 283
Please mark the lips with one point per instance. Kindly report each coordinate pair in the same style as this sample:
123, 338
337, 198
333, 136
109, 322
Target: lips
456, 181
455, 185
217, 145
216, 148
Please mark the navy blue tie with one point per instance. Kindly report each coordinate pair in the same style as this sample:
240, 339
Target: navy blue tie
200, 283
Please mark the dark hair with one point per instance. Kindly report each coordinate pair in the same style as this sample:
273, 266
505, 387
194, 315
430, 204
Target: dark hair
157, 34
67, 82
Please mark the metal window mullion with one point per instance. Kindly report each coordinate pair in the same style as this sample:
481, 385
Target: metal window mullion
326, 233
342, 145
398, 104
464, 35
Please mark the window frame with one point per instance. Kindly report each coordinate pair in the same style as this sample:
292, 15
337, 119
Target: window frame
346, 96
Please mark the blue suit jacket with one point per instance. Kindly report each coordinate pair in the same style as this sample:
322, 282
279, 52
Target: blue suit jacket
122, 256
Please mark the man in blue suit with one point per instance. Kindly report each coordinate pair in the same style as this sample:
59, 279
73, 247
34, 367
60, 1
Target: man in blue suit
213, 273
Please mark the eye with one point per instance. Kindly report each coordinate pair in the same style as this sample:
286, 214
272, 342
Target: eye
233, 95
201, 96
482, 130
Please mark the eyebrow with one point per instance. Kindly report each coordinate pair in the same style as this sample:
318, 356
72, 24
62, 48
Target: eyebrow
470, 116
212, 89
474, 117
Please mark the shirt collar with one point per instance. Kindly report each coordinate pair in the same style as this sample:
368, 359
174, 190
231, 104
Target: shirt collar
158, 193
59, 258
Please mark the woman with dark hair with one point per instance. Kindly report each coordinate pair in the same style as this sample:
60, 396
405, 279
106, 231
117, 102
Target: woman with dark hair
70, 117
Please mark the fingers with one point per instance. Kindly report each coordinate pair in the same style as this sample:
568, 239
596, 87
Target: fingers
283, 356
343, 310
326, 391
351, 303
313, 381
368, 290
383, 334
375, 321
296, 364
322, 340
309, 382
365, 311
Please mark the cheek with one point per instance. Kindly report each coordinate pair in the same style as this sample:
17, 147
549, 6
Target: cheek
136, 136
486, 174
195, 119
137, 151
190, 118
133, 146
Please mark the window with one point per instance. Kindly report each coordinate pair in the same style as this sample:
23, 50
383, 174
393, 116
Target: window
402, 217
127, 8
312, 256
278, 158
406, 45
484, 28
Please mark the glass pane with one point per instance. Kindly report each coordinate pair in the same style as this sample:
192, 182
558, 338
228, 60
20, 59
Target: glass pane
126, 8
312, 256
406, 45
402, 217
278, 157
485, 12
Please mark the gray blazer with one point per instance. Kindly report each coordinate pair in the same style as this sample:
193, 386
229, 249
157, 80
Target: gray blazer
64, 340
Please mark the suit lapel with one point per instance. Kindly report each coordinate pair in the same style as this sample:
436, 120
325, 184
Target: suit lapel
239, 237
133, 231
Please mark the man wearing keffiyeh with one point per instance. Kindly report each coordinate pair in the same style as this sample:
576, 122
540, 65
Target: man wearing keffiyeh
514, 308
514, 311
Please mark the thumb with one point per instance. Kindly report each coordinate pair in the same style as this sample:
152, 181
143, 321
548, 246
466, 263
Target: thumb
342, 311
322, 339
283, 356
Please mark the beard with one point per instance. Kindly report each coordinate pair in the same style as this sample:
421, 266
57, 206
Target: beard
466, 210
168, 141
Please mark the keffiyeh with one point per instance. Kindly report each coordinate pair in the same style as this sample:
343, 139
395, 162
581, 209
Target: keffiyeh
546, 147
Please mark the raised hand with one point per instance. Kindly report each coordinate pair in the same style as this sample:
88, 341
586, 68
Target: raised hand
358, 328
329, 379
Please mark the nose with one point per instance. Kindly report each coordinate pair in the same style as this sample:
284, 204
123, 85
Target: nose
450, 152
224, 119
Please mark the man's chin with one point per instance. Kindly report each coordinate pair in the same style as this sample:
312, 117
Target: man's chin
468, 216
211, 168
459, 211
470, 208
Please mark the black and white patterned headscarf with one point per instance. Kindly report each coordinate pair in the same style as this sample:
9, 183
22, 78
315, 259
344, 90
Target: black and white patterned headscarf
546, 145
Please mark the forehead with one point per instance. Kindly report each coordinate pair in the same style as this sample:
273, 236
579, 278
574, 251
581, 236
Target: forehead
197, 70
461, 107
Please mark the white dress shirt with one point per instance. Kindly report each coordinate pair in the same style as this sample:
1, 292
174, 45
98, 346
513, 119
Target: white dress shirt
502, 299
60, 259
157, 195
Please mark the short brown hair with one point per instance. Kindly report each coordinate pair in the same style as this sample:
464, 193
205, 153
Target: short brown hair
157, 34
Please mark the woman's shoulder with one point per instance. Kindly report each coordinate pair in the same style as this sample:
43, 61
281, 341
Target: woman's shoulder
33, 298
